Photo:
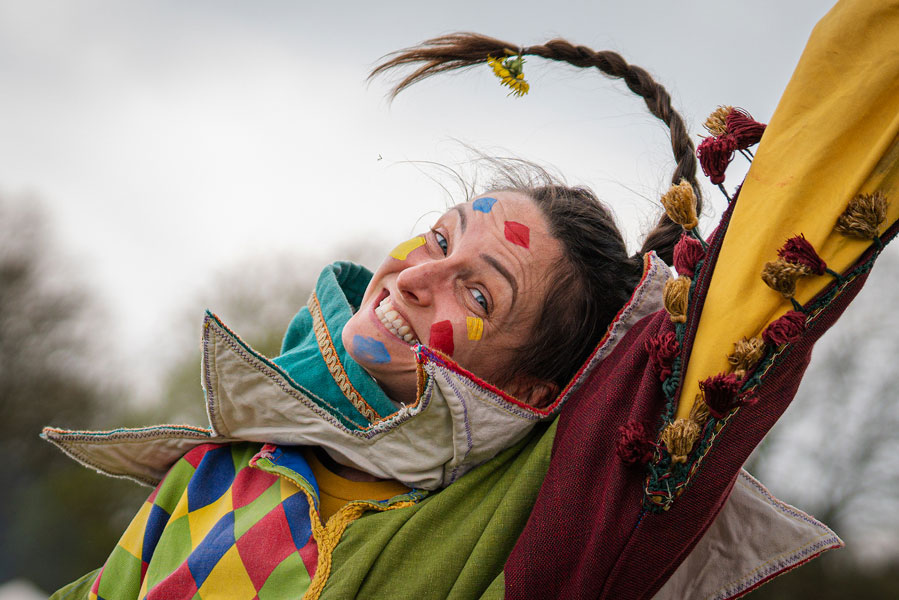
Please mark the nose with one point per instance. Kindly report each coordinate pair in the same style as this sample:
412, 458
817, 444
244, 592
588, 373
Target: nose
420, 282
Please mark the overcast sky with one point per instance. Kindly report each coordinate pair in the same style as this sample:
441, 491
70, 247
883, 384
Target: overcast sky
170, 139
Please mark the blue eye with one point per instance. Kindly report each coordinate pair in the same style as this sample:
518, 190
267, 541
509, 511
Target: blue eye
441, 241
479, 298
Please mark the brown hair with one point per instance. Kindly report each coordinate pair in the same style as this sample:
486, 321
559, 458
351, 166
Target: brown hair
597, 276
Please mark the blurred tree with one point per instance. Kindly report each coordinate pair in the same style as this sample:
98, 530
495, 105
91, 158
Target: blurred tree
833, 452
55, 521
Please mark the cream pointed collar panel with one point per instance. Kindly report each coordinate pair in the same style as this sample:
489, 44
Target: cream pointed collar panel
457, 423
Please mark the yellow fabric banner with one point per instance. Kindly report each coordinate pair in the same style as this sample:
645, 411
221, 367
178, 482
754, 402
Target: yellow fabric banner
832, 136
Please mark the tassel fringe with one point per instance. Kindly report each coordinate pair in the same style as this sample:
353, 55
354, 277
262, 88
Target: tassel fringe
676, 296
781, 276
863, 216
786, 329
679, 437
680, 204
747, 352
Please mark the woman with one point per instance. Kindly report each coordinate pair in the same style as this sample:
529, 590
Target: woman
597, 514
457, 347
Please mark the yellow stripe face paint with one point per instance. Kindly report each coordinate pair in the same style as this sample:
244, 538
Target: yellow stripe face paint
475, 327
403, 250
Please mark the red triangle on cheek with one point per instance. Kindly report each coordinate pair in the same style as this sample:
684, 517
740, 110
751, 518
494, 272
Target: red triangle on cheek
442, 337
518, 234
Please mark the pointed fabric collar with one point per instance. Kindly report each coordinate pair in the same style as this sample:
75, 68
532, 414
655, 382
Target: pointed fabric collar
313, 353
308, 396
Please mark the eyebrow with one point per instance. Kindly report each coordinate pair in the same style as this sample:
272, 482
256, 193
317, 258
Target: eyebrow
505, 273
462, 216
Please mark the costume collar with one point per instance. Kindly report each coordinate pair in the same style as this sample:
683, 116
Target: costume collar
313, 354
458, 421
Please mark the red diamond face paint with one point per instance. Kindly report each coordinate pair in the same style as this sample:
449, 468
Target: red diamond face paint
442, 337
518, 234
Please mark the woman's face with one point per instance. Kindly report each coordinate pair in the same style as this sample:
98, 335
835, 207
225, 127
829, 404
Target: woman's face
471, 287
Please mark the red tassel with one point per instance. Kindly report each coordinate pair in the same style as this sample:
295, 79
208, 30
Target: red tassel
745, 130
799, 251
687, 252
720, 393
634, 445
715, 153
662, 350
786, 329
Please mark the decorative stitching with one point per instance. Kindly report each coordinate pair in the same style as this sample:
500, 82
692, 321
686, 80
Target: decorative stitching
677, 477
63, 439
780, 564
641, 294
780, 504
432, 361
288, 386
455, 470
335, 368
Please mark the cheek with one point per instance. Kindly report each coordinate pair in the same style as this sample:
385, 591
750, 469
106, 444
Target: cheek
441, 337
475, 328
369, 350
401, 252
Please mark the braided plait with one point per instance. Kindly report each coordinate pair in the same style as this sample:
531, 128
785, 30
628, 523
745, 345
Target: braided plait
461, 50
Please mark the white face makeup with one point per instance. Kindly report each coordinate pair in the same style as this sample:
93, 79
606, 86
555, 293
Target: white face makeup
471, 287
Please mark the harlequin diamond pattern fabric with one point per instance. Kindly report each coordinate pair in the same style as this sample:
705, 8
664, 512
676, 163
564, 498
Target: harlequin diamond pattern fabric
218, 521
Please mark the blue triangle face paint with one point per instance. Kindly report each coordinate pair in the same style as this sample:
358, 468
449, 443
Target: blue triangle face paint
370, 350
485, 205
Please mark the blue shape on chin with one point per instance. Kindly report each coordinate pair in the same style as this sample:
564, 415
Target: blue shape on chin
485, 205
370, 350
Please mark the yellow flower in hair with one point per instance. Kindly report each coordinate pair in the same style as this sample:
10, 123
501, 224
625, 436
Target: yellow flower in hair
510, 72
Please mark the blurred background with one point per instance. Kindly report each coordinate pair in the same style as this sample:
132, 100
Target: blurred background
159, 158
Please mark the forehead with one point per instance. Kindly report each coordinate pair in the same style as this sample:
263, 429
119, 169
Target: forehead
514, 213
509, 228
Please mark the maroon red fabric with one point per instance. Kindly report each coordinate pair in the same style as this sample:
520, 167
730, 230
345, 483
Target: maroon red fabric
589, 535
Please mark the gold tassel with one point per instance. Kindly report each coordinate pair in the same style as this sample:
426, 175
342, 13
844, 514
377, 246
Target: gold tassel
781, 276
700, 412
675, 296
679, 438
680, 204
863, 216
716, 124
747, 352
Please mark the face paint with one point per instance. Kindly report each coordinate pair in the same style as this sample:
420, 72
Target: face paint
370, 350
442, 337
475, 327
518, 234
403, 250
485, 205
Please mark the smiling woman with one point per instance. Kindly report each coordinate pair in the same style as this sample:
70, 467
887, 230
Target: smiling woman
472, 291
415, 394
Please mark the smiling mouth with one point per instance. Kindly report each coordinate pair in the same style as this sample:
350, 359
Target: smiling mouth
394, 322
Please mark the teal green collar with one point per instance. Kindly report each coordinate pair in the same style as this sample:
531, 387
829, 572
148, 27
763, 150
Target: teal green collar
314, 356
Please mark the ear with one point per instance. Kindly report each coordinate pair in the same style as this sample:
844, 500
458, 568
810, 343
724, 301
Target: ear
533, 391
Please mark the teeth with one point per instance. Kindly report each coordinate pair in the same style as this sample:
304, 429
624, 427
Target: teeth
393, 321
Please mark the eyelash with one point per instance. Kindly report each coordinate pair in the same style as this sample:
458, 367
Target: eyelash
481, 298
